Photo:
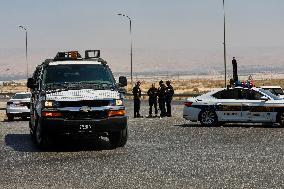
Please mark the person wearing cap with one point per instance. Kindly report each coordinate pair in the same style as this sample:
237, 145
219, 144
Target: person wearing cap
162, 98
136, 96
152, 93
169, 96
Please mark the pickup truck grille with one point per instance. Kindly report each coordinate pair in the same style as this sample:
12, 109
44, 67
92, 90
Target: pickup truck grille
89, 103
85, 115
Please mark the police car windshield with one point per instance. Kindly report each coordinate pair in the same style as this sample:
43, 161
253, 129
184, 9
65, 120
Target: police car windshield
78, 73
21, 96
267, 92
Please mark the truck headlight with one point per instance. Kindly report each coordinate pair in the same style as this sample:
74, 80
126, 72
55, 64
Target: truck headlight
118, 102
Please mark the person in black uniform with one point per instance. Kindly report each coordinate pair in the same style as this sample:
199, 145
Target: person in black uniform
235, 70
162, 98
153, 93
169, 96
136, 96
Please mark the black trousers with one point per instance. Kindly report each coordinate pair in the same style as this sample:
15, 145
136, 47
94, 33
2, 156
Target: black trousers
153, 102
162, 107
137, 107
169, 106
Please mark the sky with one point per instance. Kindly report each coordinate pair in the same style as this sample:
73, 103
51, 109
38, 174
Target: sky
167, 35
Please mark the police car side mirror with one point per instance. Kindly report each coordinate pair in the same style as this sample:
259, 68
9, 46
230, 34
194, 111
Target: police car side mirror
264, 98
31, 83
122, 81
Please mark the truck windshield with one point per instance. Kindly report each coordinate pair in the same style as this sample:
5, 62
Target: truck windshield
89, 73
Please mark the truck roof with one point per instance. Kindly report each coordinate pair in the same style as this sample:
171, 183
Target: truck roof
74, 62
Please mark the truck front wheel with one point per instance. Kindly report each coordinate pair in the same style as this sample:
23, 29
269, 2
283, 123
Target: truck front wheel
119, 138
43, 141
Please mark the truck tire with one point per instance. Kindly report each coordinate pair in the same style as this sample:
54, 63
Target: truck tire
43, 141
32, 133
118, 139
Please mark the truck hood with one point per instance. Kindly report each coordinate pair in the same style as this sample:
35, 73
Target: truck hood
83, 94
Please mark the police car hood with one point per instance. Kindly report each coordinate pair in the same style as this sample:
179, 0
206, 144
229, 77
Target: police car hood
82, 94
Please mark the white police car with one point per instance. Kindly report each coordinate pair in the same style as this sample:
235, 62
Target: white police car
238, 104
18, 106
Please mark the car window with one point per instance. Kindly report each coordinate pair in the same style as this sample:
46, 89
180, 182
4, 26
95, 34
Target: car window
249, 94
228, 94
21, 96
278, 91
268, 93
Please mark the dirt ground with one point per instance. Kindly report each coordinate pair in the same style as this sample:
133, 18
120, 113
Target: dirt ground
181, 86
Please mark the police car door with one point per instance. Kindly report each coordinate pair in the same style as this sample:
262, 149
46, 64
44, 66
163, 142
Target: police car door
229, 105
255, 109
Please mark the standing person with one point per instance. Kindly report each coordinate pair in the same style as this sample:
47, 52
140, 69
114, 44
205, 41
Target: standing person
162, 98
169, 96
235, 70
153, 93
136, 96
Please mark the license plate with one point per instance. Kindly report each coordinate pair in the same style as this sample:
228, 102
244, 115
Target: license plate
85, 127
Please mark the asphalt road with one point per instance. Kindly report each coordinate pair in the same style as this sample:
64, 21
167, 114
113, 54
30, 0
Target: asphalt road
160, 153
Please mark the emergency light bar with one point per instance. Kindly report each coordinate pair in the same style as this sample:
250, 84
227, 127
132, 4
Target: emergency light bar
70, 55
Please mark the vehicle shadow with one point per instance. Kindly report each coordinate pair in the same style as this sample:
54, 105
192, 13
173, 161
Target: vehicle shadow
248, 125
23, 143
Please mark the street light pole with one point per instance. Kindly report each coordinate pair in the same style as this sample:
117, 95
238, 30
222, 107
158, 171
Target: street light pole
225, 62
26, 31
130, 31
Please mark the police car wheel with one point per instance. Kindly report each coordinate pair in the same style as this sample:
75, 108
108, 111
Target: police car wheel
208, 118
42, 140
118, 139
281, 118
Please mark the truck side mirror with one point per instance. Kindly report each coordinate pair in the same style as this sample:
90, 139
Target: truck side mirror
31, 83
122, 81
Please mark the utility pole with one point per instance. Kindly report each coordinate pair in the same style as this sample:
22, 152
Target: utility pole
224, 43
130, 26
26, 31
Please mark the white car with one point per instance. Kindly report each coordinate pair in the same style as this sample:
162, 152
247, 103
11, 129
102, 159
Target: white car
19, 106
276, 90
238, 104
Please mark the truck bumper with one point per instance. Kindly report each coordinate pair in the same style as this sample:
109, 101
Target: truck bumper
61, 126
